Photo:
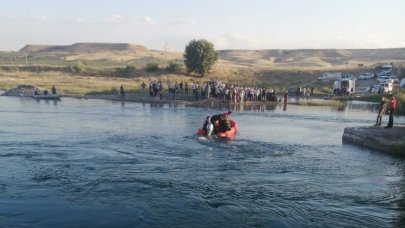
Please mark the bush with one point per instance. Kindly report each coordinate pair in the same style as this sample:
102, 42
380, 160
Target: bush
152, 66
77, 67
127, 71
326, 89
174, 68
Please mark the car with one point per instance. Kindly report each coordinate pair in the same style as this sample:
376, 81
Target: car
366, 76
347, 77
373, 88
382, 79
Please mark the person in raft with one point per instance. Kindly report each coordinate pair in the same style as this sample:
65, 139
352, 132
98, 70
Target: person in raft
208, 127
53, 89
224, 123
218, 118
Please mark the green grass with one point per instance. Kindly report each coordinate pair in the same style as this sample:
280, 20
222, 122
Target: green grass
110, 91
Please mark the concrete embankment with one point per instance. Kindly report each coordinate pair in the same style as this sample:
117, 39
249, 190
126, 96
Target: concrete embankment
388, 140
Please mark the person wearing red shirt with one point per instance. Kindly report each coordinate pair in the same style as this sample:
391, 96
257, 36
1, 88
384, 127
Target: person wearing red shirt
393, 105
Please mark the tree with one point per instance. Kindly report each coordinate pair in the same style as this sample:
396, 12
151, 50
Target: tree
200, 56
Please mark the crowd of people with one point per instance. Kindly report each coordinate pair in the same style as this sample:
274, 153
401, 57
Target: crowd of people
212, 89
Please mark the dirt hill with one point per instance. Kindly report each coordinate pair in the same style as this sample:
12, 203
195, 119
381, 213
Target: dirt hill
308, 59
313, 57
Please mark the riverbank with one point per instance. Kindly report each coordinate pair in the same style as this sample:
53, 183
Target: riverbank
168, 98
388, 140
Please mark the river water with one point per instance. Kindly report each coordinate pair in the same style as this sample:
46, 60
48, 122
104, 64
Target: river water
86, 163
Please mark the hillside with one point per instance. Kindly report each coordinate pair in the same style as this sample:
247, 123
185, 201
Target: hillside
315, 58
122, 54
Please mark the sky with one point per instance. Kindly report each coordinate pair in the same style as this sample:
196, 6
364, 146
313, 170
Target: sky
228, 24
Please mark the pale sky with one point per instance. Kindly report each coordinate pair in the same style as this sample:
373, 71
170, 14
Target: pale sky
229, 24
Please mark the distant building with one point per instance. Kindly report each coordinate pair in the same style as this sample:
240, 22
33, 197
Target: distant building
360, 65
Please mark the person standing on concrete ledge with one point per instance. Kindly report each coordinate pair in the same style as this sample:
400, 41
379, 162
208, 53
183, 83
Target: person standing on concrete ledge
393, 105
381, 111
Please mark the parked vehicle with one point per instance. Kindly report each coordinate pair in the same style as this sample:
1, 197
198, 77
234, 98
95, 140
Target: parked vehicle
347, 86
402, 83
330, 76
382, 79
374, 88
343, 87
366, 76
384, 70
386, 87
347, 77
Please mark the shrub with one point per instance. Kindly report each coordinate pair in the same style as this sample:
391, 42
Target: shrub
127, 71
152, 66
77, 67
174, 67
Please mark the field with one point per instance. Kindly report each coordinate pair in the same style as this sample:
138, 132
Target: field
107, 67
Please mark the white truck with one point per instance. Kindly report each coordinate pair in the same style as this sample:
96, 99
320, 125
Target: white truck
330, 76
344, 87
347, 86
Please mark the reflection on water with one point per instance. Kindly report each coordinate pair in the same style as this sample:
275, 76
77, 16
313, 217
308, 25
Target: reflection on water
115, 164
48, 101
272, 106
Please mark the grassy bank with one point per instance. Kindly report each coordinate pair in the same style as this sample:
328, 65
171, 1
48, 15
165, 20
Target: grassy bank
400, 97
107, 80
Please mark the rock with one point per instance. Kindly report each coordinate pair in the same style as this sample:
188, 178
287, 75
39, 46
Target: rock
21, 91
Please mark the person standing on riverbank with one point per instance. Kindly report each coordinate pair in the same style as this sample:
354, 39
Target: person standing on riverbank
143, 86
122, 92
285, 96
393, 106
381, 112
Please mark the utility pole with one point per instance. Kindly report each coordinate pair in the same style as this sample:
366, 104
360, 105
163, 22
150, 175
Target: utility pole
165, 48
11, 57
26, 59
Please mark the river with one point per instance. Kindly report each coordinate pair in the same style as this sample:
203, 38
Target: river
99, 163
